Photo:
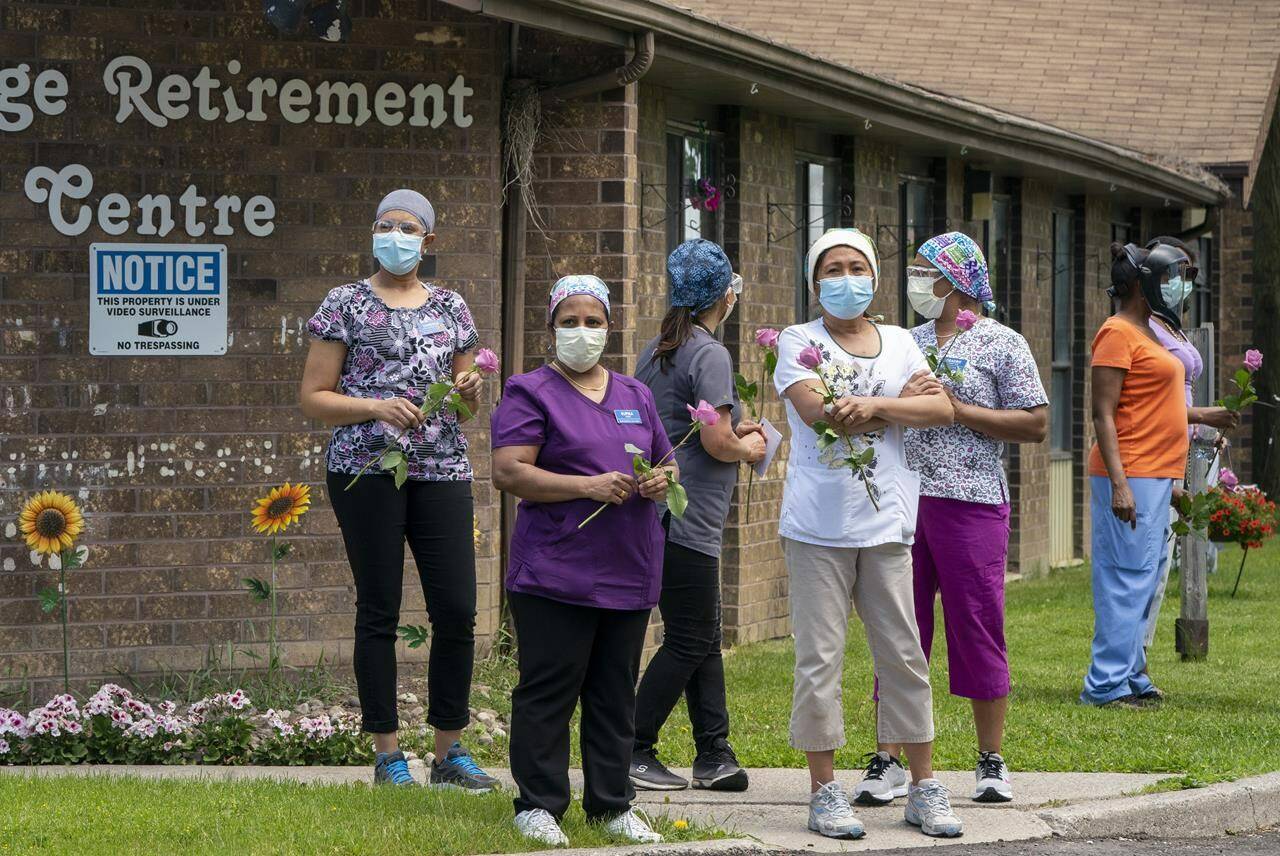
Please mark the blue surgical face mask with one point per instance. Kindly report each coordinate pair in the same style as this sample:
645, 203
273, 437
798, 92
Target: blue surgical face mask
1175, 291
397, 252
846, 297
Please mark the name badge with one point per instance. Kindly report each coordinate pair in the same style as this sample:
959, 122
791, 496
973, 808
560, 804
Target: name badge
430, 328
627, 417
955, 364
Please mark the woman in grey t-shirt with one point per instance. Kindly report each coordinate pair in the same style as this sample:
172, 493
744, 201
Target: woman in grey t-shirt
684, 365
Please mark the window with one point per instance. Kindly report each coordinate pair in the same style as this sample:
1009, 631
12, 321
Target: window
1199, 308
999, 243
916, 206
693, 187
817, 210
1062, 332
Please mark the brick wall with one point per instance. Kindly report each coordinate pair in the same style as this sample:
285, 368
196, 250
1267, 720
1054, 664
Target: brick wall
585, 176
875, 211
760, 152
1235, 333
1031, 315
165, 454
1093, 278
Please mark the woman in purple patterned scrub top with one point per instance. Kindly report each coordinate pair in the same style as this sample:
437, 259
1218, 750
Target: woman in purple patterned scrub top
962, 529
580, 594
377, 345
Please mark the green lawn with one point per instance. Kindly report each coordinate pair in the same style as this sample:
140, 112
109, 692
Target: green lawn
127, 815
1220, 720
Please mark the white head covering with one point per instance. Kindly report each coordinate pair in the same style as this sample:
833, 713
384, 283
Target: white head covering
843, 238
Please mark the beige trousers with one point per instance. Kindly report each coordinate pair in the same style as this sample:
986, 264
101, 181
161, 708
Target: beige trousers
878, 581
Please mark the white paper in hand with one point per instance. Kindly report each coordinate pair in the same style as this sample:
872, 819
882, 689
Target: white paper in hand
772, 440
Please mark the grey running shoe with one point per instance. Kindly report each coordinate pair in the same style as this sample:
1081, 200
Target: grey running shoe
992, 774
392, 768
929, 807
831, 815
884, 779
459, 770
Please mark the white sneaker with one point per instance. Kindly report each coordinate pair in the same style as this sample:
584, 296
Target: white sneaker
831, 815
631, 826
884, 779
538, 825
929, 807
994, 784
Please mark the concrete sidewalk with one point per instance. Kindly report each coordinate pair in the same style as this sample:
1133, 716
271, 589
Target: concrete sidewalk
772, 812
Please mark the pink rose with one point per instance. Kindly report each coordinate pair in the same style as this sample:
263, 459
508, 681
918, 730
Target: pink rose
487, 361
1253, 359
703, 413
767, 337
810, 358
965, 319
1228, 479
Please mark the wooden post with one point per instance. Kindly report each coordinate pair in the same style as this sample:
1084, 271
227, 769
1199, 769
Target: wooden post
1191, 631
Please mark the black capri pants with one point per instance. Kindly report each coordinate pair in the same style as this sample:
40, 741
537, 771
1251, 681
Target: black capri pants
436, 518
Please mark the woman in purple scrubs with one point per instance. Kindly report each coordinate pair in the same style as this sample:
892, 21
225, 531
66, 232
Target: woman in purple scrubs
580, 597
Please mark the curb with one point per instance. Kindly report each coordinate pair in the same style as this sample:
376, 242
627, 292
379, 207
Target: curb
719, 847
1244, 805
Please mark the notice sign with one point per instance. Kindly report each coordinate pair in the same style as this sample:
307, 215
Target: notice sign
157, 299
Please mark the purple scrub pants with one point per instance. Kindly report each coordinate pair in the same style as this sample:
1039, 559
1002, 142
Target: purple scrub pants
960, 551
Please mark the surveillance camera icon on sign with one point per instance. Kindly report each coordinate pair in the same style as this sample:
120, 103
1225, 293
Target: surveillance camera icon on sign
158, 328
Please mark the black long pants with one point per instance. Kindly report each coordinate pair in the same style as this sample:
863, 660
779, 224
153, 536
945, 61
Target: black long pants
569, 653
436, 519
689, 660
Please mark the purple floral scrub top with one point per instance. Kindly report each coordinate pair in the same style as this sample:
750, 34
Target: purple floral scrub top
954, 461
398, 352
615, 561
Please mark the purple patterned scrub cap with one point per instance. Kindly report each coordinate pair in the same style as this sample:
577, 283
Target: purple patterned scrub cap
578, 283
960, 259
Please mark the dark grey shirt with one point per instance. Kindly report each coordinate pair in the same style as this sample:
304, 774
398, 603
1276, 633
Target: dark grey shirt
699, 370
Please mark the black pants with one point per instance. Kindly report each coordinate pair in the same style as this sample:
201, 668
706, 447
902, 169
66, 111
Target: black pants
436, 519
569, 653
689, 660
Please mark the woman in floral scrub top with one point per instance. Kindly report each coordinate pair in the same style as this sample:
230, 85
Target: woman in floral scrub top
962, 531
378, 344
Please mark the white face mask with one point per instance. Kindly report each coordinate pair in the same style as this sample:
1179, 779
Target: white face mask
580, 348
729, 311
923, 300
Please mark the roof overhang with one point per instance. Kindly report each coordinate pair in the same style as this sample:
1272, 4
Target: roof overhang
724, 62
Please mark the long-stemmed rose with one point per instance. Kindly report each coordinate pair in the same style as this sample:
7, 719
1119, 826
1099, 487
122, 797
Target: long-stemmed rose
677, 498
1243, 379
749, 392
965, 320
443, 393
859, 463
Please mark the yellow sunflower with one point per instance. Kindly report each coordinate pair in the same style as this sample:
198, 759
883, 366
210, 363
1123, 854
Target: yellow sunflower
50, 521
281, 508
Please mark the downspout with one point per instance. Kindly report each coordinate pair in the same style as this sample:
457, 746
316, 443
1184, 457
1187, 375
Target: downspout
639, 64
514, 223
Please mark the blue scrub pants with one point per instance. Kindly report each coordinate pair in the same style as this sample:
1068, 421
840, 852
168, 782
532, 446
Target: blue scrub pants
1126, 572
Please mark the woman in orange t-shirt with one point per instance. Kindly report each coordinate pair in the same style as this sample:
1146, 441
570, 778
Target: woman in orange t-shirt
1140, 418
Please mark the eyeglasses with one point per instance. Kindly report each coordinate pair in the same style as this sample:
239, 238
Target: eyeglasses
931, 272
736, 284
404, 227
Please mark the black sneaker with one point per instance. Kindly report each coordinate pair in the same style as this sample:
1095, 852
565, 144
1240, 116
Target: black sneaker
459, 770
717, 769
1130, 701
1150, 698
650, 774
